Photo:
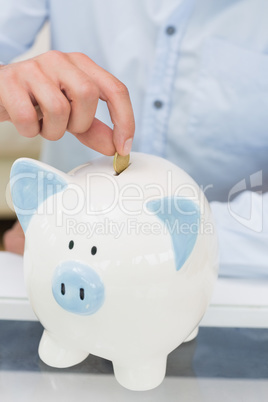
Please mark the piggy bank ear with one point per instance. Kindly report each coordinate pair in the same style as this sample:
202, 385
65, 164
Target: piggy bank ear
31, 183
181, 217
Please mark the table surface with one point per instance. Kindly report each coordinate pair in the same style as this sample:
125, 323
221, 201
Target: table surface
221, 364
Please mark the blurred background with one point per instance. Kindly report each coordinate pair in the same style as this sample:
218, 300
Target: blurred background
13, 145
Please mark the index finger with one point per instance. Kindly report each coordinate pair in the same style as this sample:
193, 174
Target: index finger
116, 95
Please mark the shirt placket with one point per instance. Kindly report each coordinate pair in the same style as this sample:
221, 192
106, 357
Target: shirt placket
157, 105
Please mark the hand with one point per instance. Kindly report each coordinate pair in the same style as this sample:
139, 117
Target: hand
55, 92
14, 239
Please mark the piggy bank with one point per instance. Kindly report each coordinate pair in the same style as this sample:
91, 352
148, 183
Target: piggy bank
118, 265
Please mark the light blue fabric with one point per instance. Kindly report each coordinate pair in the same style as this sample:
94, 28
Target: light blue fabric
20, 21
161, 84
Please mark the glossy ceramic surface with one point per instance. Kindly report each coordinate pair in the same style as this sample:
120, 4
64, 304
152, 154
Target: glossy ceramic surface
120, 266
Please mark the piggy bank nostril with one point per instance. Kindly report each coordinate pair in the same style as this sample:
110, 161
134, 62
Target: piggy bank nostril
62, 289
82, 294
78, 288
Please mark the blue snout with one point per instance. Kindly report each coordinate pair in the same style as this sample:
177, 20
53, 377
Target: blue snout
77, 288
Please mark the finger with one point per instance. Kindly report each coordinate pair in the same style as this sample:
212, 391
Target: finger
98, 137
118, 101
54, 106
83, 95
77, 86
20, 109
122, 117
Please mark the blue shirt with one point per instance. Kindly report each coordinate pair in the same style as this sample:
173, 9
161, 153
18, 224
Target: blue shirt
196, 70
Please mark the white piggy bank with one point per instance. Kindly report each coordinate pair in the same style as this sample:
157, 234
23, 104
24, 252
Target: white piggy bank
120, 266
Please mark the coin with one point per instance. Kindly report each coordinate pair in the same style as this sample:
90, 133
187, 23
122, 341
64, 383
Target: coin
120, 162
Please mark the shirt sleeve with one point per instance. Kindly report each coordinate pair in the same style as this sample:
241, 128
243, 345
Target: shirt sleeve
20, 21
242, 227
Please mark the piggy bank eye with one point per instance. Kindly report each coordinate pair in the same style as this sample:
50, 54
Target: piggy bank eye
93, 250
71, 244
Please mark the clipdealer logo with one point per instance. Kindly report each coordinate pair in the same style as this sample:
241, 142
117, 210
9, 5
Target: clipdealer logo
132, 226
252, 217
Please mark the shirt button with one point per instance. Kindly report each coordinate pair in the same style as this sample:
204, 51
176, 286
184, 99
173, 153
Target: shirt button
170, 30
158, 104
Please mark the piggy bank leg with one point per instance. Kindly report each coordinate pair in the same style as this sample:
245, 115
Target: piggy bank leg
192, 335
141, 376
55, 353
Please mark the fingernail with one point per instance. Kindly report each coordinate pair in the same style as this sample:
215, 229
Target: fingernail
127, 146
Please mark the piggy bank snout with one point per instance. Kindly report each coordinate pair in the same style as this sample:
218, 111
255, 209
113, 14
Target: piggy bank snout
77, 288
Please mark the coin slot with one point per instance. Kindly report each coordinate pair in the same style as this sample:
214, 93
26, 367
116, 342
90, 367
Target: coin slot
118, 174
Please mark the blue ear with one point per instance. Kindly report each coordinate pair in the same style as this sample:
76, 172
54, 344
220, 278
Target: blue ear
182, 218
31, 184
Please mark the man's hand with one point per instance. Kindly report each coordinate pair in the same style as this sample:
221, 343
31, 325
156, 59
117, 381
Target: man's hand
55, 92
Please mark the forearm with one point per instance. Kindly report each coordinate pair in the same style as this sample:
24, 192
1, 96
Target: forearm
19, 24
